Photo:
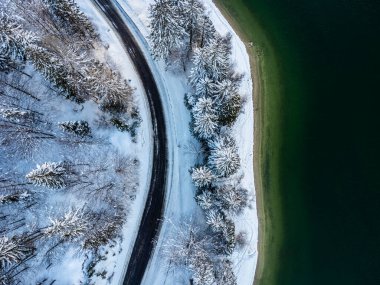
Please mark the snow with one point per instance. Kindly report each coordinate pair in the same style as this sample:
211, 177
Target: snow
117, 263
180, 198
69, 266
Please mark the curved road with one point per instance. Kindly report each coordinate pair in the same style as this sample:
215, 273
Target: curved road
152, 215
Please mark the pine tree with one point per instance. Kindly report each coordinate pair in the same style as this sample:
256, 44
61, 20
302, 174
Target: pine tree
191, 12
11, 251
14, 40
54, 71
199, 70
204, 87
205, 200
224, 158
215, 219
202, 176
71, 17
225, 274
79, 128
233, 199
205, 124
166, 34
230, 110
203, 272
219, 62
224, 90
72, 225
14, 114
108, 88
207, 31
229, 237
48, 174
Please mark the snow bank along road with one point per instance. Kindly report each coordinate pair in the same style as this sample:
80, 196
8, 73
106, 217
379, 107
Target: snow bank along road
152, 214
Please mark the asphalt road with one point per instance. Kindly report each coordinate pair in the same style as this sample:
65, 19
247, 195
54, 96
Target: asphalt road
153, 210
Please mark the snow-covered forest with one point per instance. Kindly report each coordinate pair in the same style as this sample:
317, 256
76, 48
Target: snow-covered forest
61, 178
184, 37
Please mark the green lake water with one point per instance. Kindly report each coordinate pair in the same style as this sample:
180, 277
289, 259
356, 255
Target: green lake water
328, 173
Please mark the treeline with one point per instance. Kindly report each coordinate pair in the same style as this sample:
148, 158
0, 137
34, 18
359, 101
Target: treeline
181, 32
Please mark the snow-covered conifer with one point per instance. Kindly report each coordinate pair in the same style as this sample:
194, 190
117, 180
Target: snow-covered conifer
229, 236
230, 110
202, 176
11, 251
207, 31
219, 62
108, 88
204, 87
69, 14
191, 12
224, 90
233, 199
224, 158
215, 219
203, 272
14, 114
205, 200
48, 174
225, 274
204, 118
79, 128
13, 39
166, 33
199, 70
72, 225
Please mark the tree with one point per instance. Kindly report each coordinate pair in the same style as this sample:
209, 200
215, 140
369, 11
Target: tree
191, 12
233, 199
51, 67
71, 17
13, 39
225, 274
15, 114
224, 90
215, 219
108, 88
203, 272
185, 245
199, 69
79, 128
205, 200
224, 158
166, 34
49, 174
202, 176
207, 31
11, 251
219, 62
205, 124
230, 110
72, 225
204, 87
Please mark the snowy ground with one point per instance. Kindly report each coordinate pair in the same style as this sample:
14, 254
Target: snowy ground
180, 200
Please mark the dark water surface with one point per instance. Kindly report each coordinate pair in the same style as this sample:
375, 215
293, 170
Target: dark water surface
328, 53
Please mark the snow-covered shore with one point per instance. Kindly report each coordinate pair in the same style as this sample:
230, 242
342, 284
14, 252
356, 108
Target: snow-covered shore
180, 201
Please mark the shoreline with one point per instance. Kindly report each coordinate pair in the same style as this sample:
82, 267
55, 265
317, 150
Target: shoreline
266, 139
256, 71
